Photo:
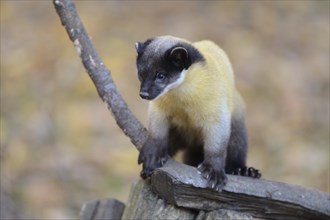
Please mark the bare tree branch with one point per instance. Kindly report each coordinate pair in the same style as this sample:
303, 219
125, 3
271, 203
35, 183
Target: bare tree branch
99, 74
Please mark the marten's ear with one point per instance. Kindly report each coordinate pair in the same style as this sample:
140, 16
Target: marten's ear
139, 47
180, 57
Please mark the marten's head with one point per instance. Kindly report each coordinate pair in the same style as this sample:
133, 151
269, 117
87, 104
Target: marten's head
162, 64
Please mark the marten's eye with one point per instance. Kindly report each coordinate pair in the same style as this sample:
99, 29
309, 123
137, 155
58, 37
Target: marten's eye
160, 76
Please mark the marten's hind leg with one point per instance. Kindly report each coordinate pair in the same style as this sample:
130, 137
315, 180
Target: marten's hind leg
237, 150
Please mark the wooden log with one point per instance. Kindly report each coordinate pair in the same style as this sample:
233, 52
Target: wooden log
183, 186
144, 204
222, 214
109, 209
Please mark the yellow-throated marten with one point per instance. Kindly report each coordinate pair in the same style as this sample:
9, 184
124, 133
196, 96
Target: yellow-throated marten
194, 107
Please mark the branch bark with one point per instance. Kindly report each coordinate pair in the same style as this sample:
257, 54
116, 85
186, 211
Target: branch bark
100, 75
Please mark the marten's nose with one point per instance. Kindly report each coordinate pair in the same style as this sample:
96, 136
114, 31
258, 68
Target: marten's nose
144, 95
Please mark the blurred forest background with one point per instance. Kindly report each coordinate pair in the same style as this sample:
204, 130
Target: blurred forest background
60, 146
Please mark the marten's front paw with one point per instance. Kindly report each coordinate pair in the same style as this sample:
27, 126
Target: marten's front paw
151, 159
216, 177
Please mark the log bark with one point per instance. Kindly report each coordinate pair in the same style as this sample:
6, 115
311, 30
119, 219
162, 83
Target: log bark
222, 214
110, 209
183, 186
144, 204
